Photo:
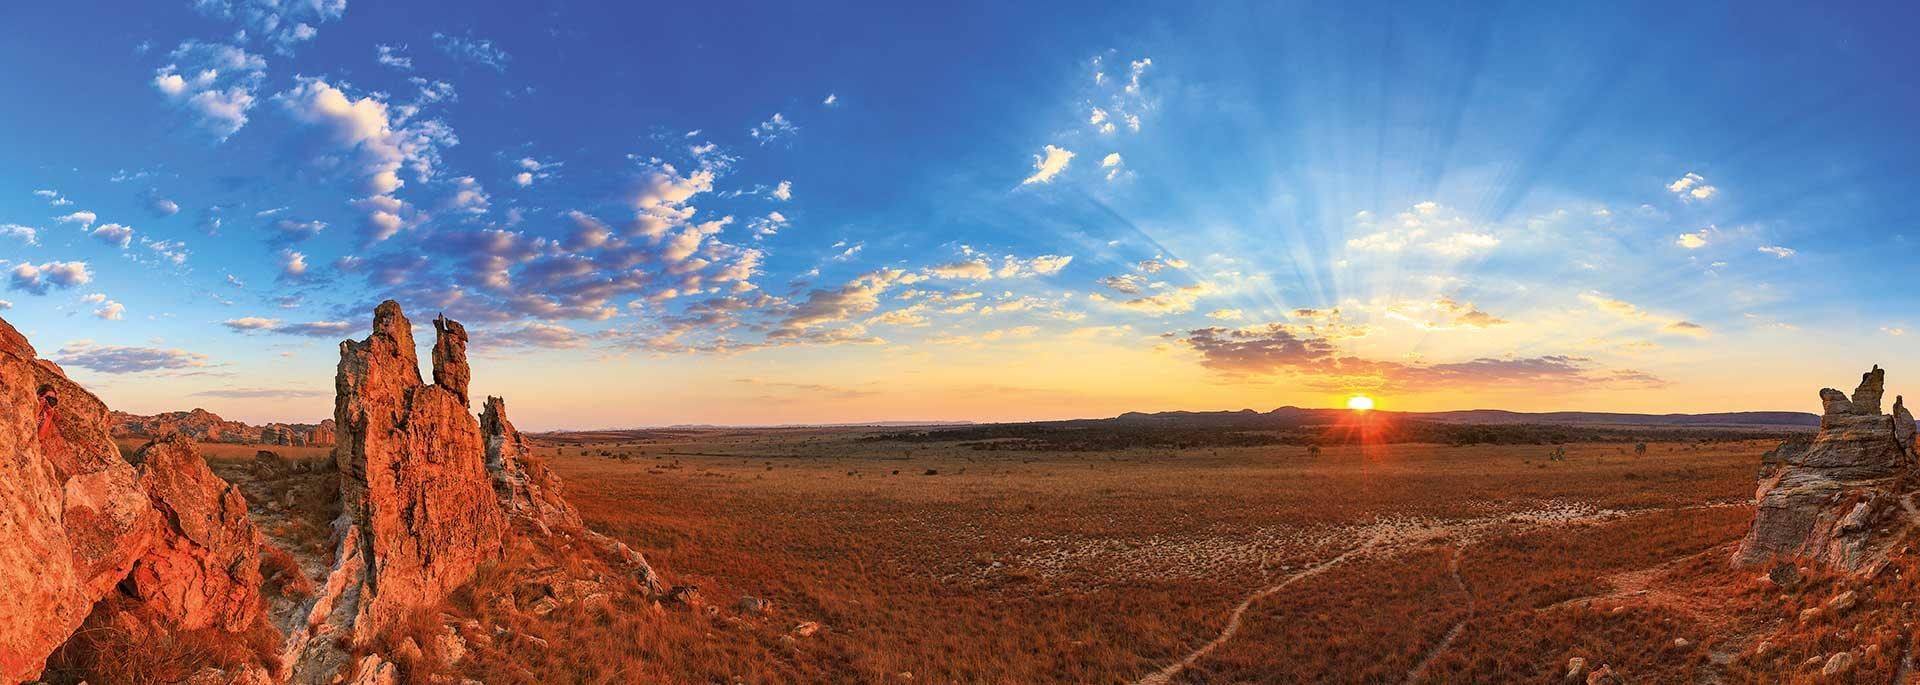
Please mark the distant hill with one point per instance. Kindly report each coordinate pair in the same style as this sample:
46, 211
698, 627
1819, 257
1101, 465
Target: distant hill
207, 426
1295, 417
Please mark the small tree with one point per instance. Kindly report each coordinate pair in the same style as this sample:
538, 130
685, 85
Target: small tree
1313, 451
1559, 453
1640, 449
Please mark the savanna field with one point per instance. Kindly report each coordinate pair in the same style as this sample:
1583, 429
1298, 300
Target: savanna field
942, 563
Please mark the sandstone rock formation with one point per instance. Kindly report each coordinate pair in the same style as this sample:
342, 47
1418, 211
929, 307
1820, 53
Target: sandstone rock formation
73, 517
428, 494
420, 514
1825, 498
79, 523
526, 487
203, 570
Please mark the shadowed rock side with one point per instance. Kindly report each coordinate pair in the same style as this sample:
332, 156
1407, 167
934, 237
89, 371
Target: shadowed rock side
420, 516
1824, 499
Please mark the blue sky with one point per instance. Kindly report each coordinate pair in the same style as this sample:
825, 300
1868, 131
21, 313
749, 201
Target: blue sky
656, 214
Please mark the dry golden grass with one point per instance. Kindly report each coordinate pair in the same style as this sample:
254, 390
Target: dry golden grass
1103, 567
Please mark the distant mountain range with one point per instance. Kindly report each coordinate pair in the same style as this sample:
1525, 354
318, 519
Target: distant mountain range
1294, 417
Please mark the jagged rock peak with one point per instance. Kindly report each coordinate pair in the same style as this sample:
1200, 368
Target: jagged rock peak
1866, 398
450, 369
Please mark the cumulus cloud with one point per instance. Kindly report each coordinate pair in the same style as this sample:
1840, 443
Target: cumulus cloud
371, 143
24, 234
1692, 186
1049, 163
280, 24
783, 192
214, 82
1694, 240
161, 207
1778, 251
85, 354
110, 310
1160, 299
114, 234
473, 50
774, 128
293, 265
39, 278
1442, 313
532, 170
82, 217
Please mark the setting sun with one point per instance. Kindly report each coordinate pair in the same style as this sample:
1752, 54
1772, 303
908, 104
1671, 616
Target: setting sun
1359, 403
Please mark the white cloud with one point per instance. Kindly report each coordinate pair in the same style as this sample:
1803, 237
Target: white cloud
281, 24
293, 265
114, 234
1226, 314
1778, 251
39, 278
371, 142
1692, 187
391, 55
784, 191
1694, 240
25, 234
773, 129
287, 231
474, 50
831, 101
83, 217
1049, 164
110, 310
214, 82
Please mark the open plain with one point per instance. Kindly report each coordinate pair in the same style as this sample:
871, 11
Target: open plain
937, 562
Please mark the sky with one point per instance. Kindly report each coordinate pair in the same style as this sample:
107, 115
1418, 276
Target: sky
661, 213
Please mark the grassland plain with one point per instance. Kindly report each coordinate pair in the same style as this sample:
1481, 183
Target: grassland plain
944, 563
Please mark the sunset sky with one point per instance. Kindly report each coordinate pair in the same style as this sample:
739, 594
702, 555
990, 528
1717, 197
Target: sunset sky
653, 213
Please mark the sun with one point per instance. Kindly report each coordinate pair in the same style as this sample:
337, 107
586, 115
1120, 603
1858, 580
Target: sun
1359, 403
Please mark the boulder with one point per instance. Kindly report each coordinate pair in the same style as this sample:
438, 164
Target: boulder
203, 568
1822, 499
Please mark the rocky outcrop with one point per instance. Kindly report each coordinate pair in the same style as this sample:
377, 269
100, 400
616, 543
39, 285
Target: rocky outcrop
73, 518
203, 568
85, 532
1826, 498
207, 426
420, 514
526, 487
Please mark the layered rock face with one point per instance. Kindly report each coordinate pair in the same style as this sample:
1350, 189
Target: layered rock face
73, 518
419, 503
1824, 499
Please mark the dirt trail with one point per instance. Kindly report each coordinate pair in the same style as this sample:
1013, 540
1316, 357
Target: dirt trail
1390, 536
1165, 675
1419, 670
